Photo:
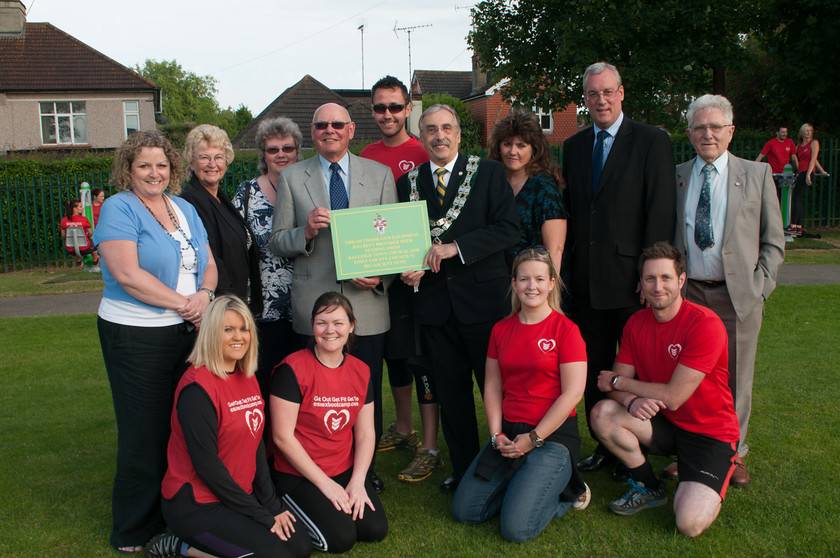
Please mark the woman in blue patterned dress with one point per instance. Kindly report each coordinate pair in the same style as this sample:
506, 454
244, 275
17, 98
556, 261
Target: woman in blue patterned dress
519, 143
278, 143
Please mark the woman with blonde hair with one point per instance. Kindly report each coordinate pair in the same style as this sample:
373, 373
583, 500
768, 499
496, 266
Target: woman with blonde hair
207, 154
534, 377
159, 277
807, 151
218, 497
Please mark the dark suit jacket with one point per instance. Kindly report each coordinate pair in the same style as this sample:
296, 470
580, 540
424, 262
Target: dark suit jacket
476, 290
226, 234
633, 207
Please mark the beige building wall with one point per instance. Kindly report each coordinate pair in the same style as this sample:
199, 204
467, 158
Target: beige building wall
20, 118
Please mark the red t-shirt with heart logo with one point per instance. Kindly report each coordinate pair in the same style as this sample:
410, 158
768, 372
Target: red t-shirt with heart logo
529, 358
696, 338
330, 401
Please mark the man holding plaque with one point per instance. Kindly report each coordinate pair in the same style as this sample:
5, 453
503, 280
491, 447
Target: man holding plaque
306, 192
473, 219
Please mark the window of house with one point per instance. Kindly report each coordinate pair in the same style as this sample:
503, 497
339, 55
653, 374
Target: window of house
64, 123
546, 120
131, 109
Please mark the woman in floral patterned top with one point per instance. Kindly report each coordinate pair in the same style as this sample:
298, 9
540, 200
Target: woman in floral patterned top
278, 142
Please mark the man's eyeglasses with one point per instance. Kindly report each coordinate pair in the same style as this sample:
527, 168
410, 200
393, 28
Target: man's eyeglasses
607, 93
274, 150
393, 108
325, 125
715, 128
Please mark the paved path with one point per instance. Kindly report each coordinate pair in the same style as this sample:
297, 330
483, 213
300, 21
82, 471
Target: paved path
51, 305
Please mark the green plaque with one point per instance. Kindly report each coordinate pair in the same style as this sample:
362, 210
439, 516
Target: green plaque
380, 239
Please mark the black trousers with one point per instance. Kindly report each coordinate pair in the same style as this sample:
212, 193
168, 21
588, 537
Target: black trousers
144, 365
458, 352
601, 331
332, 530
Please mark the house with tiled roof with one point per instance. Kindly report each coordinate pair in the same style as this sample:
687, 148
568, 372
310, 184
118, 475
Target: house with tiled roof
299, 103
483, 98
57, 92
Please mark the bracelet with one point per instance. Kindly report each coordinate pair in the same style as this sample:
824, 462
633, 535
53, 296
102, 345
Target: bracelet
493, 439
209, 292
631, 404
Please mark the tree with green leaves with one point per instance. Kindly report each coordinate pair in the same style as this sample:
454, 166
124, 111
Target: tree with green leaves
667, 51
190, 99
470, 127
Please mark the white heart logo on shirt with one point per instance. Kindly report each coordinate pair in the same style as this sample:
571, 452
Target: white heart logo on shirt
546, 345
336, 420
254, 419
406, 166
674, 350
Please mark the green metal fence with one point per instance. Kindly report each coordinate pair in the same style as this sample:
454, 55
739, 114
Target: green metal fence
32, 207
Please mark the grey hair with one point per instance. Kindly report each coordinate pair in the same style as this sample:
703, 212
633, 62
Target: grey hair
272, 128
710, 102
600, 68
438, 107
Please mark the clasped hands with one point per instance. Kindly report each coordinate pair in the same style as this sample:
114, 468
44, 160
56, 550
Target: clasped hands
643, 408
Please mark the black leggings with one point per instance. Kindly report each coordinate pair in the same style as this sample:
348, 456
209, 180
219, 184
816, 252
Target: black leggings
332, 530
797, 210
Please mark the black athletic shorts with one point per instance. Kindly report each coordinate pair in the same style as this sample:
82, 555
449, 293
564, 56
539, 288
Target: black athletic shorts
701, 459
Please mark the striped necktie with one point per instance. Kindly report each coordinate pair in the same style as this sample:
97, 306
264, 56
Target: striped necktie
440, 187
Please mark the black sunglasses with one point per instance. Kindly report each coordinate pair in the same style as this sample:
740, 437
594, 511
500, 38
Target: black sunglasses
274, 150
335, 125
393, 108
538, 249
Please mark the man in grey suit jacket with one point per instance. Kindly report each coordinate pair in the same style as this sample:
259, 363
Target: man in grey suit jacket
306, 191
730, 229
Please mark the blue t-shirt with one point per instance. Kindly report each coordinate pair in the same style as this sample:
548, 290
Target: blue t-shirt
123, 217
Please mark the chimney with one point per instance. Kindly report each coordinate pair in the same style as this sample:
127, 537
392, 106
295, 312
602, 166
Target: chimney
12, 17
479, 78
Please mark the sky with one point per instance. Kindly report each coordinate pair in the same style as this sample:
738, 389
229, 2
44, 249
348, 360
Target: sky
256, 49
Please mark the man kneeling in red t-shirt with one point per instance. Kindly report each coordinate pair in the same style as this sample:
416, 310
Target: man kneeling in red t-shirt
668, 393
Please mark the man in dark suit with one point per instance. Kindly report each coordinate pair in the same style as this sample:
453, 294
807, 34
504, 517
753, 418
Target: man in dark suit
306, 192
473, 219
733, 242
620, 193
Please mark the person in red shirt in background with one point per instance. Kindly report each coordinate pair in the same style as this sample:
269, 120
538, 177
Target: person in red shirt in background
74, 218
97, 196
779, 152
402, 152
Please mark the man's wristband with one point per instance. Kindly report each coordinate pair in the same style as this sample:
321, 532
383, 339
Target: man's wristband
629, 405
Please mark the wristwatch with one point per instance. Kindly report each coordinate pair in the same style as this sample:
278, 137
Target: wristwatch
536, 440
613, 382
209, 292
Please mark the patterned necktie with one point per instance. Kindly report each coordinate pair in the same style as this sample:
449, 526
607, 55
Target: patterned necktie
598, 159
704, 236
338, 194
441, 185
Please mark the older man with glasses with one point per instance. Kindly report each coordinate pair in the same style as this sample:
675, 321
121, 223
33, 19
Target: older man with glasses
306, 192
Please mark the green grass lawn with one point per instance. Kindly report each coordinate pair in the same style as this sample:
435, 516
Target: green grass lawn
49, 281
825, 250
58, 444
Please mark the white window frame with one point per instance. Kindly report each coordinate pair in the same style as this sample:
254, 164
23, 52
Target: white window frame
131, 112
540, 115
72, 116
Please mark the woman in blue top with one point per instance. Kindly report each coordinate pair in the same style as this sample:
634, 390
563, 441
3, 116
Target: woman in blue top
159, 277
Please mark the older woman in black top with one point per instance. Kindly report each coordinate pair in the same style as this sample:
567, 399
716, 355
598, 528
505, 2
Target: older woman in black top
208, 152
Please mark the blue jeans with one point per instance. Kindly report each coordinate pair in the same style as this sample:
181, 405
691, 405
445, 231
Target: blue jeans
527, 502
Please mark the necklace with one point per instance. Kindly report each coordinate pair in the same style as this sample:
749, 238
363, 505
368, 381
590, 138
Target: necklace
273, 186
184, 249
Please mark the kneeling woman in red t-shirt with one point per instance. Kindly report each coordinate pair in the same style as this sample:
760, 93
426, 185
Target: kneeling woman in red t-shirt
322, 427
534, 378
217, 492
